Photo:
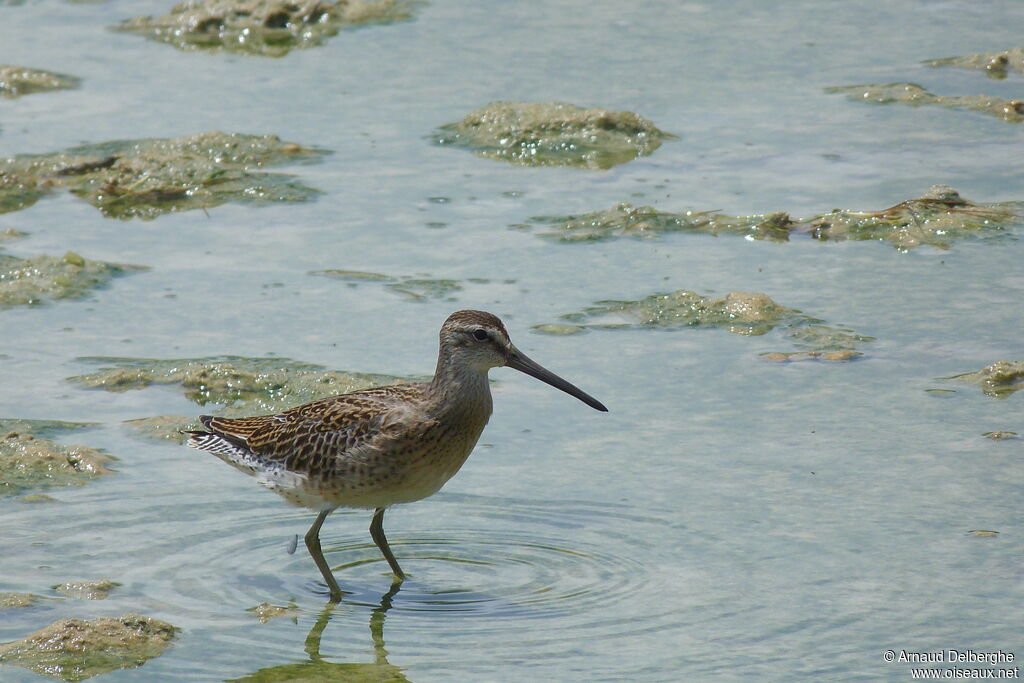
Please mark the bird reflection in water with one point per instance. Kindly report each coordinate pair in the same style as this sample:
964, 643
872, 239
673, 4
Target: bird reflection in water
316, 669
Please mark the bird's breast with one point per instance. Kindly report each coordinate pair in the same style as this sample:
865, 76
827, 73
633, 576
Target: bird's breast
411, 456
448, 442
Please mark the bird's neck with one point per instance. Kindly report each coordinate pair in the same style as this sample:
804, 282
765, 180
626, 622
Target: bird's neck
461, 389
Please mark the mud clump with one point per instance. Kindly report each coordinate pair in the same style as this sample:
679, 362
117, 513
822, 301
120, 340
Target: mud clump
242, 385
999, 380
553, 134
87, 590
77, 649
995, 64
269, 28
744, 313
148, 178
29, 461
33, 281
937, 218
1011, 111
16, 81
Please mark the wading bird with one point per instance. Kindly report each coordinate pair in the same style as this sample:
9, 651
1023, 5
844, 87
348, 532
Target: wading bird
377, 447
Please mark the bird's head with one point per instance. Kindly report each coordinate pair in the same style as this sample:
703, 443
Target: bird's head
478, 340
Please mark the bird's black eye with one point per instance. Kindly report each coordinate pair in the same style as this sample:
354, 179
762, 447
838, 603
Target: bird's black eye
481, 334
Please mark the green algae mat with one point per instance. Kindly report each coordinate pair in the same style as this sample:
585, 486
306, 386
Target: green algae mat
147, 178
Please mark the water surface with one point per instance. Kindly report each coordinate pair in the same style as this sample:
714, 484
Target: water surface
728, 519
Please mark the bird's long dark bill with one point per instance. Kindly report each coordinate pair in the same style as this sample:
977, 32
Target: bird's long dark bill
518, 360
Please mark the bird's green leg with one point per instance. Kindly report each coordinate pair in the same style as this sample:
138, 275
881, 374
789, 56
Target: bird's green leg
377, 534
313, 544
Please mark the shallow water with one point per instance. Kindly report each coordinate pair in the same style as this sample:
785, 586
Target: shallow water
729, 518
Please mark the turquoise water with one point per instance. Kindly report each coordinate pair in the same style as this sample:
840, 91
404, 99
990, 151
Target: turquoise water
728, 519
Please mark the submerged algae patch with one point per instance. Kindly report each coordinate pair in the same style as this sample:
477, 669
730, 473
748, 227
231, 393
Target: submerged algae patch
937, 218
553, 134
265, 611
744, 313
163, 427
147, 178
1001, 435
44, 428
1011, 111
998, 380
87, 590
17, 600
741, 312
646, 222
269, 28
818, 338
414, 288
76, 649
20, 190
16, 81
8, 234
995, 64
31, 281
422, 289
30, 461
243, 385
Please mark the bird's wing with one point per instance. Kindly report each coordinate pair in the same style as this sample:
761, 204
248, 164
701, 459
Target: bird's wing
309, 437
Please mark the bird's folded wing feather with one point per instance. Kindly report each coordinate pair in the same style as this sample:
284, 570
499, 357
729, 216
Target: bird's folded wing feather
360, 421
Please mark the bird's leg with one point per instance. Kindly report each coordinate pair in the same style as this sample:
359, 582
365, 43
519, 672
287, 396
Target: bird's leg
377, 534
313, 544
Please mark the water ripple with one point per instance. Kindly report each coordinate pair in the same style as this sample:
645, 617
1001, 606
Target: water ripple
507, 560
519, 578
